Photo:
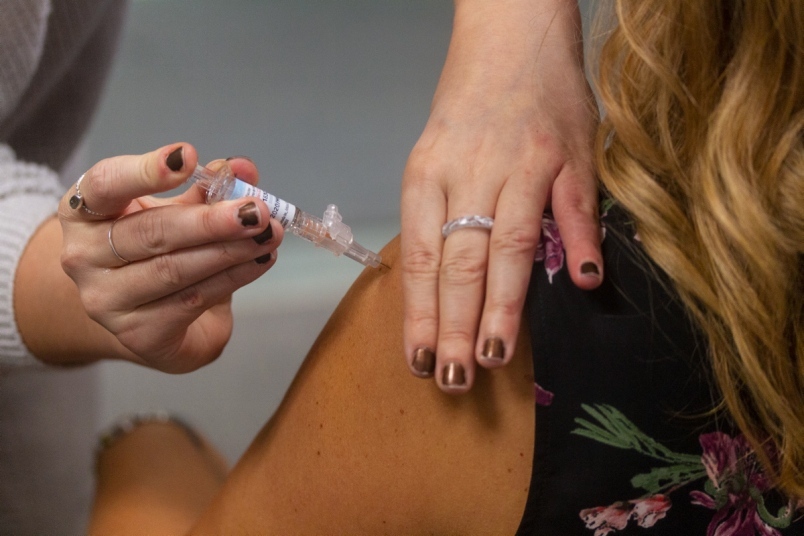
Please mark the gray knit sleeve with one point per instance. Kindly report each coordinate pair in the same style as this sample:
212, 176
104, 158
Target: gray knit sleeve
29, 195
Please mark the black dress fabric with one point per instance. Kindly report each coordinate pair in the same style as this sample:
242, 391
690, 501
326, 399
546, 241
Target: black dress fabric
625, 439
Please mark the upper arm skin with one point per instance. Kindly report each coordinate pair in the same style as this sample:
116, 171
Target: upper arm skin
360, 446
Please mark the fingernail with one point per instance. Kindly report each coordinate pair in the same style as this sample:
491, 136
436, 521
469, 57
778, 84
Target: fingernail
265, 258
423, 361
240, 156
249, 214
453, 375
590, 268
175, 160
264, 236
494, 348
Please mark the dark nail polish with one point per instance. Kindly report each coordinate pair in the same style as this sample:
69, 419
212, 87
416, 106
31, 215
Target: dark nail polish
264, 259
423, 361
175, 160
240, 156
249, 214
264, 236
494, 348
590, 268
453, 375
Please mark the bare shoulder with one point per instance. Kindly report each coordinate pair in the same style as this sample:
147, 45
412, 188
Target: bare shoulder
359, 445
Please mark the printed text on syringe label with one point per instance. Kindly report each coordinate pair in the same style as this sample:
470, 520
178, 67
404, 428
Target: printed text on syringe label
280, 210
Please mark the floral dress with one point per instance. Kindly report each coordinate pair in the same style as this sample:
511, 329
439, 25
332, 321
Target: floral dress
626, 442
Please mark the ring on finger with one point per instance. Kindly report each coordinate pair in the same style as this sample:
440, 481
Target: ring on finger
466, 222
111, 244
77, 200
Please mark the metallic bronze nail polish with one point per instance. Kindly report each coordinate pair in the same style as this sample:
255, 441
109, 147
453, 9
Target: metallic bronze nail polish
453, 375
265, 258
264, 236
249, 214
423, 361
175, 160
590, 268
494, 348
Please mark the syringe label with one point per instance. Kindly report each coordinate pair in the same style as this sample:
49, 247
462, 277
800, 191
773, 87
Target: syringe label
280, 210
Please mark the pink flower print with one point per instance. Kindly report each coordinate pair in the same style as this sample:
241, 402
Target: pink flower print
728, 521
606, 519
650, 510
543, 396
615, 517
736, 483
550, 248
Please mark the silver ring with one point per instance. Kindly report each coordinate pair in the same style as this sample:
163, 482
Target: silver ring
465, 222
111, 244
77, 200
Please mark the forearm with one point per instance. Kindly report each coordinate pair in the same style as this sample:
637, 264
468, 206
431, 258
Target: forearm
50, 317
515, 35
516, 62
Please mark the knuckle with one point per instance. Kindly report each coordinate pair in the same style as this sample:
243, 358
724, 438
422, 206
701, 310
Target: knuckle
167, 271
463, 268
454, 333
234, 277
422, 168
71, 258
151, 230
94, 302
241, 274
192, 299
576, 197
421, 263
210, 221
226, 256
515, 241
421, 320
145, 168
101, 178
502, 308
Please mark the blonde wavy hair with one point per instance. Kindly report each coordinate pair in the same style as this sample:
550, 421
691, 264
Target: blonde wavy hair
702, 143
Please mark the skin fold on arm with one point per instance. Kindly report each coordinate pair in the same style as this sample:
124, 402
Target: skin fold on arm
361, 446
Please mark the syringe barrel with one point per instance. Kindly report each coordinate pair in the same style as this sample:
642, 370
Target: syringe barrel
223, 185
308, 227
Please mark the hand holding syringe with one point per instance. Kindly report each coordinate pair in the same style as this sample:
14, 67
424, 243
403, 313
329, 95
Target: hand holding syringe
329, 233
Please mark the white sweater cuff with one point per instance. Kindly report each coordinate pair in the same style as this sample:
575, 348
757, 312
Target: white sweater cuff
29, 195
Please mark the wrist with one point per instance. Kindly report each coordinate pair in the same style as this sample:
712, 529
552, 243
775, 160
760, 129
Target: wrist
506, 19
512, 45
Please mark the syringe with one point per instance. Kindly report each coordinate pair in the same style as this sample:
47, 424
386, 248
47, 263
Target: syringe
329, 233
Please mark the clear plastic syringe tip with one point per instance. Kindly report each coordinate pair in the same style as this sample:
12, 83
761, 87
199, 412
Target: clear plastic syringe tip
362, 255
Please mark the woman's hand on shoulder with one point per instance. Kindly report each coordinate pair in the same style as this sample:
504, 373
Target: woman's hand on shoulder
509, 135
